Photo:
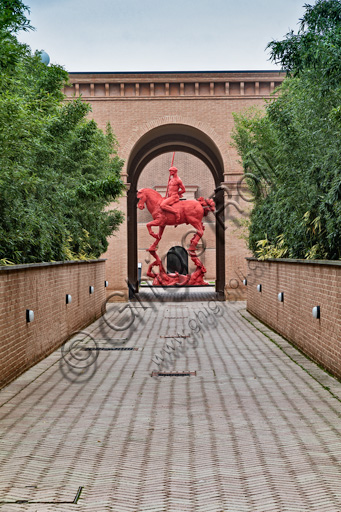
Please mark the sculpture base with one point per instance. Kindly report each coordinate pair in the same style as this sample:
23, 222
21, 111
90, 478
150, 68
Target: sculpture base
164, 279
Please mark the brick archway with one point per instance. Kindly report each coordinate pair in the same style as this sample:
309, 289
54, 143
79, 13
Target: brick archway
162, 123
163, 139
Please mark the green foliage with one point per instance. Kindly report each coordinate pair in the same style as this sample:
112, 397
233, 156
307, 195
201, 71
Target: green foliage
268, 250
12, 16
58, 171
316, 46
291, 152
12, 20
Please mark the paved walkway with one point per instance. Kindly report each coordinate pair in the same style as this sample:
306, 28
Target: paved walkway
256, 429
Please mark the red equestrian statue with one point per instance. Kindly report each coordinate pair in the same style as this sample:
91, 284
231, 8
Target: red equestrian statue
170, 211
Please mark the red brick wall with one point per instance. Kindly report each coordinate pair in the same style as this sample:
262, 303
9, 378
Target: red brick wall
305, 284
43, 288
136, 103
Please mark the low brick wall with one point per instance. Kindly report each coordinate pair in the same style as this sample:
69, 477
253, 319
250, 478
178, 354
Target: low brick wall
305, 284
42, 288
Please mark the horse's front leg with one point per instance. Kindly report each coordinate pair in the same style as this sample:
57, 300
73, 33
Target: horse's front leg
149, 227
151, 232
158, 238
161, 230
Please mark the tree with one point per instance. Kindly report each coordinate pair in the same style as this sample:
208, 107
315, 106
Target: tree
58, 171
316, 48
292, 150
12, 20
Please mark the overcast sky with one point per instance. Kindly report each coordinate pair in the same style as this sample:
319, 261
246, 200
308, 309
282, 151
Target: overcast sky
151, 35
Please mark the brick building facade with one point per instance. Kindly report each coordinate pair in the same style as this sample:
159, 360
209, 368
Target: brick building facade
154, 114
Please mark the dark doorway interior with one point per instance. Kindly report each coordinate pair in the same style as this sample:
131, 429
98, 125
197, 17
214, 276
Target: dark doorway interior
177, 260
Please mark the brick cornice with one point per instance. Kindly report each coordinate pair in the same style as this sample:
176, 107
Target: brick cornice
199, 85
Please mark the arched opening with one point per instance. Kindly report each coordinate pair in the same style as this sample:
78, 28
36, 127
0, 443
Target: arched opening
177, 260
164, 139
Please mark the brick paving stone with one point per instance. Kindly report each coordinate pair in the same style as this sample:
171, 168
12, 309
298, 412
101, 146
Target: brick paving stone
257, 429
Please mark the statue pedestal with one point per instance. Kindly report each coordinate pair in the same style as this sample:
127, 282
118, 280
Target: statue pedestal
163, 279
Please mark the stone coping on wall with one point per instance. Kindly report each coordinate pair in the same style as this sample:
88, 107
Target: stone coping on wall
336, 263
24, 266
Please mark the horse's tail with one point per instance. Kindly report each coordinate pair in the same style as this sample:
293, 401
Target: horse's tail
207, 204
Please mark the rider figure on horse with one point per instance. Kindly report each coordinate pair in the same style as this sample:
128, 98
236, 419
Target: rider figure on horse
175, 190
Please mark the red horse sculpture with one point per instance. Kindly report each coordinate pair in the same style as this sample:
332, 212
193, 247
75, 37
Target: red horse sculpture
190, 212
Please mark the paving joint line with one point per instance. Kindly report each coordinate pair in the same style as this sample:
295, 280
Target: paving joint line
35, 502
